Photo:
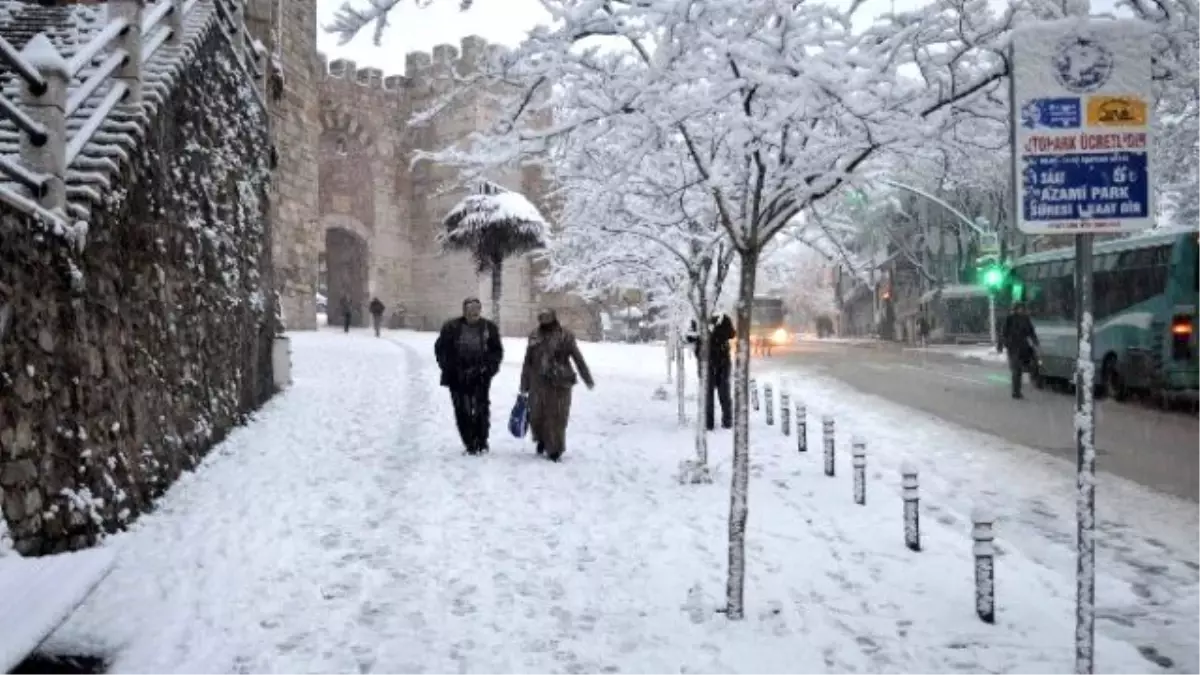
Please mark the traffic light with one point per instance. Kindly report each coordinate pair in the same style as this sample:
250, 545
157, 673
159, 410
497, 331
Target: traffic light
992, 277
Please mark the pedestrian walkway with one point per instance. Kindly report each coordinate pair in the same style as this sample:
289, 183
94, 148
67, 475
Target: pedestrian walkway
343, 530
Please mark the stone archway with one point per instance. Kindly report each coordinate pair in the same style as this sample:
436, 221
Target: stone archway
347, 265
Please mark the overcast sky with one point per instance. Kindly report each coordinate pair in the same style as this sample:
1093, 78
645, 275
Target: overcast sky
500, 21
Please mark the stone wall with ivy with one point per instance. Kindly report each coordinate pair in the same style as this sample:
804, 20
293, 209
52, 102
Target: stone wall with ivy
130, 345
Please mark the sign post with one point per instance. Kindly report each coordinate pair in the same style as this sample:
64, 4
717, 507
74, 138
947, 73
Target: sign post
1081, 102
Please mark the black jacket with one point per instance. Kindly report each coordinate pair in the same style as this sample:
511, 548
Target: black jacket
446, 348
1018, 336
377, 306
720, 332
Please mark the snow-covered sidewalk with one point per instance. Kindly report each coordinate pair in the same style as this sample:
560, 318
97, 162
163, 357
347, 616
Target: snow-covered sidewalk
343, 530
1148, 566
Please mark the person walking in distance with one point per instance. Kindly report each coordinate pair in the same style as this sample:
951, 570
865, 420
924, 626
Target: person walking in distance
469, 352
376, 314
1021, 341
346, 312
547, 378
720, 367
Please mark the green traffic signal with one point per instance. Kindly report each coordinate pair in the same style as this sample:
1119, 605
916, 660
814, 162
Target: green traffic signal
993, 277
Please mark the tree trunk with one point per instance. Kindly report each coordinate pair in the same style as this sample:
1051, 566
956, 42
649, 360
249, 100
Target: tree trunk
497, 290
680, 388
672, 338
703, 392
740, 483
703, 389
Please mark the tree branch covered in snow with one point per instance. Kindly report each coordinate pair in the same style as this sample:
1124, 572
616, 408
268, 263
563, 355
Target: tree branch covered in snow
355, 15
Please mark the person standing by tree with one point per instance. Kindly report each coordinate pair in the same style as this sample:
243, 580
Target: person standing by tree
720, 367
376, 314
1021, 341
547, 378
469, 352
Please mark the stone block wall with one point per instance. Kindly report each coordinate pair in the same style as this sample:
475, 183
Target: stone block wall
123, 362
346, 145
288, 29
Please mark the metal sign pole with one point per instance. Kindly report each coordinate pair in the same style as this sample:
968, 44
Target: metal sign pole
1085, 451
1082, 132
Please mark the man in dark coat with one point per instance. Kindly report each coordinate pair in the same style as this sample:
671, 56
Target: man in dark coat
720, 367
1021, 341
376, 314
469, 352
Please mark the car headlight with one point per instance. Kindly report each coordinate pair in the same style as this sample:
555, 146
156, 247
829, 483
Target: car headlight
780, 336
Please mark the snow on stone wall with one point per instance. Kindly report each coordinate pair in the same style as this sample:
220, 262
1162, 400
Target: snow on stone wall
118, 378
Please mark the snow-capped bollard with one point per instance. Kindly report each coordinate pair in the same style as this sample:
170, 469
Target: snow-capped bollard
858, 453
912, 501
785, 420
769, 403
827, 439
801, 428
985, 564
754, 394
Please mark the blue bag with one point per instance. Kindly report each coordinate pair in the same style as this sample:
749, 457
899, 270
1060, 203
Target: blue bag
518, 419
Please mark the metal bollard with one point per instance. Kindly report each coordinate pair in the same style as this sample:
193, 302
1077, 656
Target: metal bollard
858, 453
912, 501
827, 434
754, 394
785, 420
801, 428
769, 403
985, 564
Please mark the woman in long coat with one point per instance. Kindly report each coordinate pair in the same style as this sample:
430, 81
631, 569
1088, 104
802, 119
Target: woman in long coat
548, 377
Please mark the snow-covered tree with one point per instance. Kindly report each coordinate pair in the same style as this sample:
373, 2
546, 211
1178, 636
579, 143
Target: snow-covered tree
355, 15
493, 225
642, 224
799, 275
1177, 107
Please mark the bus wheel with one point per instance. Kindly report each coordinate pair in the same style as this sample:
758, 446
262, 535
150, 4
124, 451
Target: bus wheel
1112, 385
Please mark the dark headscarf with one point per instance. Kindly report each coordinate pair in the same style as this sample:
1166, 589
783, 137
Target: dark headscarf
552, 324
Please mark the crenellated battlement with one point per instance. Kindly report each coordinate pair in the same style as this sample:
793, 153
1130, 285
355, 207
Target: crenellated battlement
421, 69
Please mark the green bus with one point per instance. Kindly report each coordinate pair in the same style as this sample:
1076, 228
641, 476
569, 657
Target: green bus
1145, 312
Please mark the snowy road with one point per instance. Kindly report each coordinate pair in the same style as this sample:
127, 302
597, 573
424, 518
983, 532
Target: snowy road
1157, 449
344, 531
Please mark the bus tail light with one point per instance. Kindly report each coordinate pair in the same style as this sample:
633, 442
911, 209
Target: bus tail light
1182, 328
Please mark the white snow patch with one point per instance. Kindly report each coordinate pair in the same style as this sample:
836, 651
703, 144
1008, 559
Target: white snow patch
40, 53
485, 210
968, 352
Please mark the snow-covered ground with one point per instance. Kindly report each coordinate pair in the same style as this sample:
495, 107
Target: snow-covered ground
970, 352
343, 530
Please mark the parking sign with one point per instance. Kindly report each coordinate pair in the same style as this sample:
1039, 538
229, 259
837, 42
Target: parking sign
1081, 104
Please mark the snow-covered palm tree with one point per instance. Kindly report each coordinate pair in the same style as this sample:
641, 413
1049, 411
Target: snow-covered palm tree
493, 224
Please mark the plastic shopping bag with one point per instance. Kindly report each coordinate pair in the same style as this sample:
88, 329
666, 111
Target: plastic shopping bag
518, 419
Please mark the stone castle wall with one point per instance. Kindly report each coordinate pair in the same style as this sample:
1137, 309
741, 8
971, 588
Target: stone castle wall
345, 150
122, 361
288, 29
368, 184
